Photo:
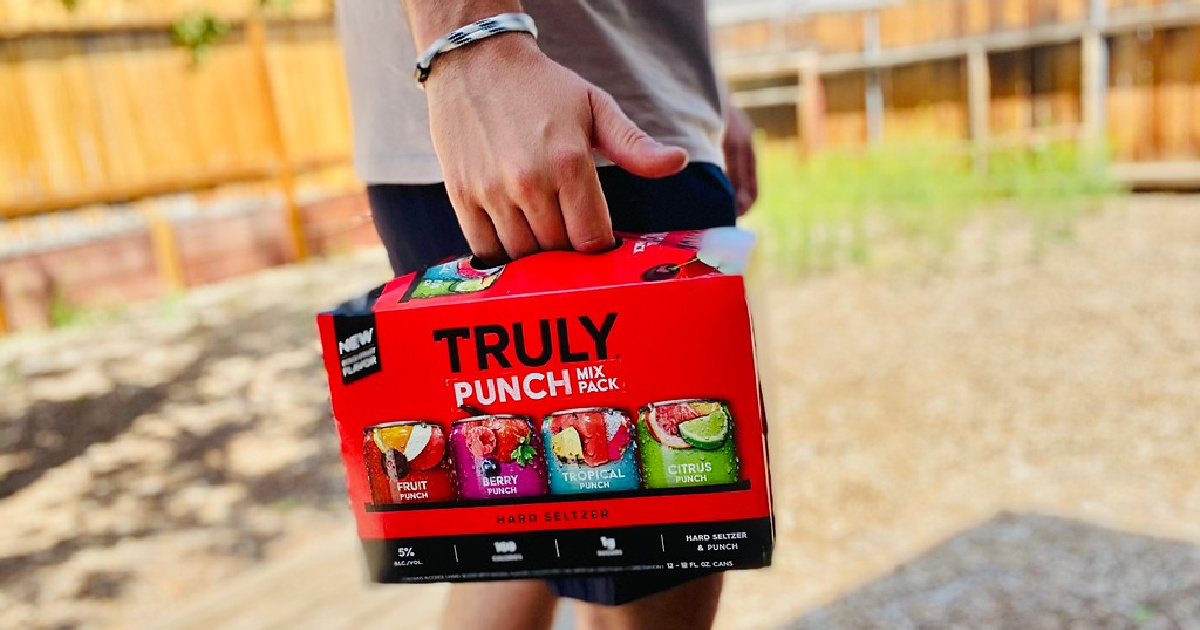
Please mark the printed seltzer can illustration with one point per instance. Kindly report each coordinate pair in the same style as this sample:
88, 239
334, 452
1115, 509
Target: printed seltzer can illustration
590, 450
407, 462
686, 443
497, 456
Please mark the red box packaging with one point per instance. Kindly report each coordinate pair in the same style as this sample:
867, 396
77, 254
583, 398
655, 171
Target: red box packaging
566, 414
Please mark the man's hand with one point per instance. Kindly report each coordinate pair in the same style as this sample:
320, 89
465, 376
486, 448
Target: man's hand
740, 161
514, 133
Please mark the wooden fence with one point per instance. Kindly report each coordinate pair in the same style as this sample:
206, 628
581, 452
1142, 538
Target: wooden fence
108, 127
983, 72
100, 106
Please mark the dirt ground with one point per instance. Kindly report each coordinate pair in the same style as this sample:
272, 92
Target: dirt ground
1008, 441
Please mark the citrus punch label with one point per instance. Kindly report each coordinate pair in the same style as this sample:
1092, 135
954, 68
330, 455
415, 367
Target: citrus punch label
687, 443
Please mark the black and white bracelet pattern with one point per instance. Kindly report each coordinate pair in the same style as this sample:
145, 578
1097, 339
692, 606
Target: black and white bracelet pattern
473, 32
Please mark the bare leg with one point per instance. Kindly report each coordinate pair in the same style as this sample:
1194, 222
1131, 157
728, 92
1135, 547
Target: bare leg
516, 605
690, 606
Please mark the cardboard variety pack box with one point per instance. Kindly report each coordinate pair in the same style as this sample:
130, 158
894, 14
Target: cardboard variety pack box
566, 414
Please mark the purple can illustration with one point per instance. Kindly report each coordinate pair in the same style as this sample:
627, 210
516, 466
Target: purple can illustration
498, 456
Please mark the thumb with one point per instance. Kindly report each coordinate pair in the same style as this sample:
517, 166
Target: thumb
618, 139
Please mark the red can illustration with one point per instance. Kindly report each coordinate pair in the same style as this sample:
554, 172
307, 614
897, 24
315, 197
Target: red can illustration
407, 462
497, 456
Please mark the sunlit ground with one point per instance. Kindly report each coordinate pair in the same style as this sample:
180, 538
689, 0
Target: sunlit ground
179, 465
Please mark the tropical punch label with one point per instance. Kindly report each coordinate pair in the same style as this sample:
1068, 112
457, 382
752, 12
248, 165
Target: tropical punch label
590, 450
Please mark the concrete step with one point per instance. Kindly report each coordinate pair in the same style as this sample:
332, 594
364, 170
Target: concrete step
321, 586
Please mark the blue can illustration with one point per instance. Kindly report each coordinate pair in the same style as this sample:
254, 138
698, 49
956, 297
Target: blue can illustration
590, 450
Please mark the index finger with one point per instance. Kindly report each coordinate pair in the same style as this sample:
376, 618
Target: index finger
584, 210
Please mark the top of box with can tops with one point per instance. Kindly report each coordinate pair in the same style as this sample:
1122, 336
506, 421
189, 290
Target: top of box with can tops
637, 259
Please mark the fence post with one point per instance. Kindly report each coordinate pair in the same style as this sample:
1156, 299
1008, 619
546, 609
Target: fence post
3, 311
811, 103
873, 97
166, 249
979, 96
256, 33
1094, 84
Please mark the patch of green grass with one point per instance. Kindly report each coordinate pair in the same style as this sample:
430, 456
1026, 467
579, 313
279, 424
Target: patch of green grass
1141, 615
65, 314
836, 209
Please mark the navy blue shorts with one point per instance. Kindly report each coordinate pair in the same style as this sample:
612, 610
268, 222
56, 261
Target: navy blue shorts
417, 226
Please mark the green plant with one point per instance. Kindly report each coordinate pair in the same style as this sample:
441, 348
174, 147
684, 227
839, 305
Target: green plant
199, 33
64, 313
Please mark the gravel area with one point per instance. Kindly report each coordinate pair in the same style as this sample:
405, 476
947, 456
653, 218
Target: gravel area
1005, 441
911, 407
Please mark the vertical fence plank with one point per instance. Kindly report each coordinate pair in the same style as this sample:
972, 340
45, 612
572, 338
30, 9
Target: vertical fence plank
811, 104
166, 248
1175, 107
979, 91
256, 33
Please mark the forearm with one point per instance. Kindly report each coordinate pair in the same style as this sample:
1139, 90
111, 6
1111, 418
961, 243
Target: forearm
431, 19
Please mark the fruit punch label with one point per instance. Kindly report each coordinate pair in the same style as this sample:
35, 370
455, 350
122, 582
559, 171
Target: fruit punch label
590, 450
406, 463
687, 443
497, 456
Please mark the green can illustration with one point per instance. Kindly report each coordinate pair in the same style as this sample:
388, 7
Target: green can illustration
686, 443
454, 277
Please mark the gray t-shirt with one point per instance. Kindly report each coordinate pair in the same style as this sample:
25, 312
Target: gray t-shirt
652, 55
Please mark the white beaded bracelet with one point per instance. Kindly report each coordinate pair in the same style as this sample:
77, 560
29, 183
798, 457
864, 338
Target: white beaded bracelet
473, 32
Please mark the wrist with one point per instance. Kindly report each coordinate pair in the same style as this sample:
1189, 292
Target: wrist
484, 57
431, 19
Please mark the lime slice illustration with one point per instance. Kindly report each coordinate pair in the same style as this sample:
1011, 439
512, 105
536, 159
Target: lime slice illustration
470, 286
706, 432
432, 288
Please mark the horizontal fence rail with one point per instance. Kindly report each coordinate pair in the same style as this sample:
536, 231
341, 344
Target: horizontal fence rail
1119, 72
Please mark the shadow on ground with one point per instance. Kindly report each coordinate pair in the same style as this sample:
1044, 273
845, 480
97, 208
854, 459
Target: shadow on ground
1029, 571
49, 434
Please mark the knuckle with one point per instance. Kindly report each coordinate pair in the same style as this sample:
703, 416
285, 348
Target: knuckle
572, 161
492, 190
458, 191
631, 135
525, 182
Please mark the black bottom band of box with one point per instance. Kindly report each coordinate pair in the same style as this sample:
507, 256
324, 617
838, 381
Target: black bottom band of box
699, 547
